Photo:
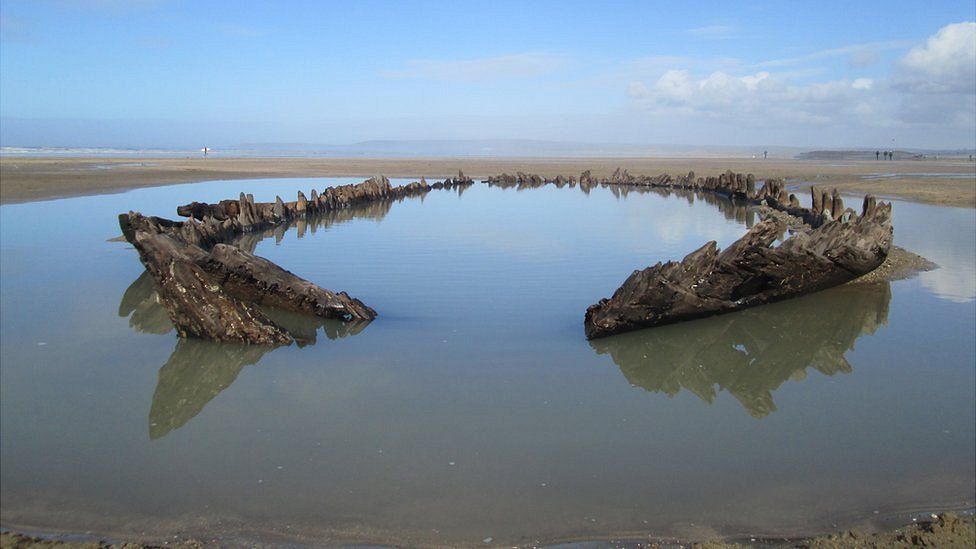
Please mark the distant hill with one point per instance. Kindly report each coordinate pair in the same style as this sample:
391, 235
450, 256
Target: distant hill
870, 154
472, 148
507, 148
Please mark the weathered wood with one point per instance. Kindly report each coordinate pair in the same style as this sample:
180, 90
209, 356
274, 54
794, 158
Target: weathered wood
749, 272
257, 280
706, 282
742, 188
196, 304
210, 289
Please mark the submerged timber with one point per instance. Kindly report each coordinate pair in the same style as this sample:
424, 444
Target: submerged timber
213, 290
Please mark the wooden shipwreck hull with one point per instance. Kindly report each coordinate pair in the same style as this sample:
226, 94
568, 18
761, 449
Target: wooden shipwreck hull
216, 291
749, 272
213, 290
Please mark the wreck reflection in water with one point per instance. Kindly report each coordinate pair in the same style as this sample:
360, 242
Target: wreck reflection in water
751, 353
139, 300
375, 211
198, 370
195, 373
734, 210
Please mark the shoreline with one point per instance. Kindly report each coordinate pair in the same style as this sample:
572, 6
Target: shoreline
29, 179
944, 529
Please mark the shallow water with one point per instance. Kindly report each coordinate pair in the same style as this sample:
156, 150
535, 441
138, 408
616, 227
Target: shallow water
474, 407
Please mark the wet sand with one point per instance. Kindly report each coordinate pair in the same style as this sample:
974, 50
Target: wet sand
25, 179
899, 265
944, 530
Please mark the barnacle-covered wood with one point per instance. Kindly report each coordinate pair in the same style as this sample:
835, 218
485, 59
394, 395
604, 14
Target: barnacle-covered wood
749, 272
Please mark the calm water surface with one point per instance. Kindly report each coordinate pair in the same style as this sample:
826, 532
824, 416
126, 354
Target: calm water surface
474, 407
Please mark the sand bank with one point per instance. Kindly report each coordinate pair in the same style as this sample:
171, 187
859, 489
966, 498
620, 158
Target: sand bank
23, 179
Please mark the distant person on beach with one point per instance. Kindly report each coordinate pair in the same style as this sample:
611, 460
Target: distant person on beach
877, 155
764, 154
206, 150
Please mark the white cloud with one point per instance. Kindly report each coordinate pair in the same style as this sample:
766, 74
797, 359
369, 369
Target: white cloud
714, 32
953, 281
860, 55
932, 85
637, 90
937, 80
939, 110
945, 64
519, 65
656, 63
864, 58
760, 98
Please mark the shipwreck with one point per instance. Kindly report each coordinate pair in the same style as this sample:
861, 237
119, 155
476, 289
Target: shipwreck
214, 290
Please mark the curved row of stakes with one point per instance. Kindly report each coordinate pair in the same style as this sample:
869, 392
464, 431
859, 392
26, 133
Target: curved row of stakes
212, 290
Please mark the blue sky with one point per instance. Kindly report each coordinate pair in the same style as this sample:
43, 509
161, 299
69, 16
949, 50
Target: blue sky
172, 73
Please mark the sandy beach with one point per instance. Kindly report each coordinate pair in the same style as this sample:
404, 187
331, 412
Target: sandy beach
23, 179
306, 274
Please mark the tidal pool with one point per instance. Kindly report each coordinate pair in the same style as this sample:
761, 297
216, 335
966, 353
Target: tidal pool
473, 408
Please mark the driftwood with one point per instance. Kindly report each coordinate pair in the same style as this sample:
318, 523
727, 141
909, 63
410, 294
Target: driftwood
212, 290
749, 272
